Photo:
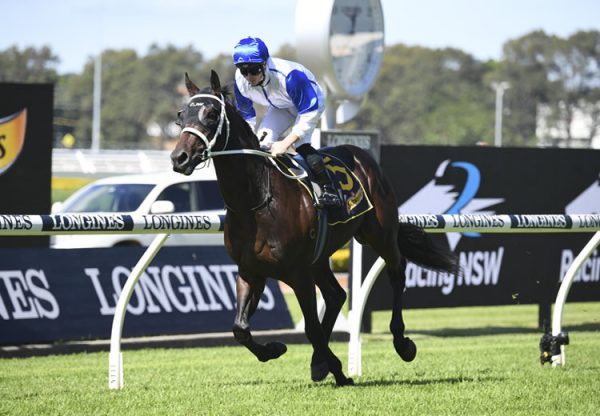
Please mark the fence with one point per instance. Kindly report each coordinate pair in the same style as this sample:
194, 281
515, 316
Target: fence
163, 225
481, 224
113, 162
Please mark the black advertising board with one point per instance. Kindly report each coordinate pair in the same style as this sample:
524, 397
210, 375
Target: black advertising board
25, 154
498, 269
49, 295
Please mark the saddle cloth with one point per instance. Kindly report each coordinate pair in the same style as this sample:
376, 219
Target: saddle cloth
338, 162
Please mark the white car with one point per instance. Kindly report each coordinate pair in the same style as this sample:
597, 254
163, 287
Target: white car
160, 193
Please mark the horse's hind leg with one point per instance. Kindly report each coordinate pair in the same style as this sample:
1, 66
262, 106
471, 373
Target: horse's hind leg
382, 238
248, 295
404, 346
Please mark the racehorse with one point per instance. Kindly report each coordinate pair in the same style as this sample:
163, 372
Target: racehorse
270, 228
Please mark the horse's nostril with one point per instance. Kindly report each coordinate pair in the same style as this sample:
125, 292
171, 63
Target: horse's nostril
180, 158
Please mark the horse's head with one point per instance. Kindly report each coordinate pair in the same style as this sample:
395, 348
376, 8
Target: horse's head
204, 122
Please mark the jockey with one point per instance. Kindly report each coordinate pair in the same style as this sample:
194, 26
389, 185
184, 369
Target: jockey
294, 100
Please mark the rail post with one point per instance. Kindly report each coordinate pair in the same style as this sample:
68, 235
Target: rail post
115, 356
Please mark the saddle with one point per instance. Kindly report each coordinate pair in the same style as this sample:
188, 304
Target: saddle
339, 162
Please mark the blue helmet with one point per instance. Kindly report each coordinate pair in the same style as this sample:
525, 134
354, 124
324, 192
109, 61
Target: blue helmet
250, 50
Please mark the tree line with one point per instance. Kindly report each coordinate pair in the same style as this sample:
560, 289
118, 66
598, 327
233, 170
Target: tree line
421, 95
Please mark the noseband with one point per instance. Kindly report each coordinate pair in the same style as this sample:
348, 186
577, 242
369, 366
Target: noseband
222, 118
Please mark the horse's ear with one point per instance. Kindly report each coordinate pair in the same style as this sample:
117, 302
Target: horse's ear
215, 83
191, 87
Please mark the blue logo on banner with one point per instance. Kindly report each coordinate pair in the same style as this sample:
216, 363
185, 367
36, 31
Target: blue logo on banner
437, 197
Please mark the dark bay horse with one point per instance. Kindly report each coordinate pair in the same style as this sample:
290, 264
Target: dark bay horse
270, 228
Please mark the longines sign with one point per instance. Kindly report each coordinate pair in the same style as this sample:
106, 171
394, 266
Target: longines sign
15, 225
48, 295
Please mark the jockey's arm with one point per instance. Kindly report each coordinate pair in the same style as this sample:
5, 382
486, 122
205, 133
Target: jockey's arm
280, 147
305, 98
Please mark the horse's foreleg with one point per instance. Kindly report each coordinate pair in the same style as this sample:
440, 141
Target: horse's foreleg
333, 295
324, 360
248, 295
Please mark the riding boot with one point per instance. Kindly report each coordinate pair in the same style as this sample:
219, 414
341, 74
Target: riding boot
328, 197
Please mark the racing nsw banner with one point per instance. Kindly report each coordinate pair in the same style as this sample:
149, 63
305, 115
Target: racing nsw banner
25, 154
497, 269
48, 295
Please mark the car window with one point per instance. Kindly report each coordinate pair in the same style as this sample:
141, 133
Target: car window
109, 198
179, 194
194, 196
207, 196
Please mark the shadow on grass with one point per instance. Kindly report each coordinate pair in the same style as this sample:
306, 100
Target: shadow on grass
492, 330
330, 382
427, 382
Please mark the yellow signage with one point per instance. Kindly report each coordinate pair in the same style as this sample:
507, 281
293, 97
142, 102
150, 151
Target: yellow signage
12, 138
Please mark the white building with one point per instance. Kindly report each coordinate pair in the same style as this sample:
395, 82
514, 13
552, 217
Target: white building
555, 135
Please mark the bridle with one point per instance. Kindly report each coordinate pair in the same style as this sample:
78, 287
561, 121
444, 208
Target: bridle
207, 154
223, 120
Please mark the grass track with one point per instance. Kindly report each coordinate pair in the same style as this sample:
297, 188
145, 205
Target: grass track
471, 361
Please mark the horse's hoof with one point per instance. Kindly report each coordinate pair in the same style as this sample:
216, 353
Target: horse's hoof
346, 381
272, 350
319, 371
406, 349
276, 349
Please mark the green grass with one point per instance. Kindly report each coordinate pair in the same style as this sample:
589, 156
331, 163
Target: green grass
471, 361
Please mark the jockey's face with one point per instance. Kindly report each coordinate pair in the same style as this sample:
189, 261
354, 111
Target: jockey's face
254, 73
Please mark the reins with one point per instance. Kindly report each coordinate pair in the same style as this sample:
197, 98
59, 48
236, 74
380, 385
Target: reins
209, 153
265, 155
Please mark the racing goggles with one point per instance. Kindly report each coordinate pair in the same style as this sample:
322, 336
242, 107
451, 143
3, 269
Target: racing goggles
253, 69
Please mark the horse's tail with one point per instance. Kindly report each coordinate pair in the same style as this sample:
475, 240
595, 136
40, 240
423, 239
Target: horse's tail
418, 247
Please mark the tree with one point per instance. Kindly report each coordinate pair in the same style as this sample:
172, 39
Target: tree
421, 96
163, 70
28, 65
554, 81
524, 66
137, 93
575, 75
425, 96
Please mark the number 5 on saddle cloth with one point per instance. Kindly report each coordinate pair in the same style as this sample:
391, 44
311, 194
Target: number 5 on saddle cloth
339, 163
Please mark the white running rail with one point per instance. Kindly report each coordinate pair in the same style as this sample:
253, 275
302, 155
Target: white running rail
163, 225
472, 223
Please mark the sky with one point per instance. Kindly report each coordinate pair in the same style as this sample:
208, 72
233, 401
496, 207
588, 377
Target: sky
76, 30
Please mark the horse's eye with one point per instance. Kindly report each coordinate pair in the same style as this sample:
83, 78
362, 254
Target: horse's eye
212, 117
178, 121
